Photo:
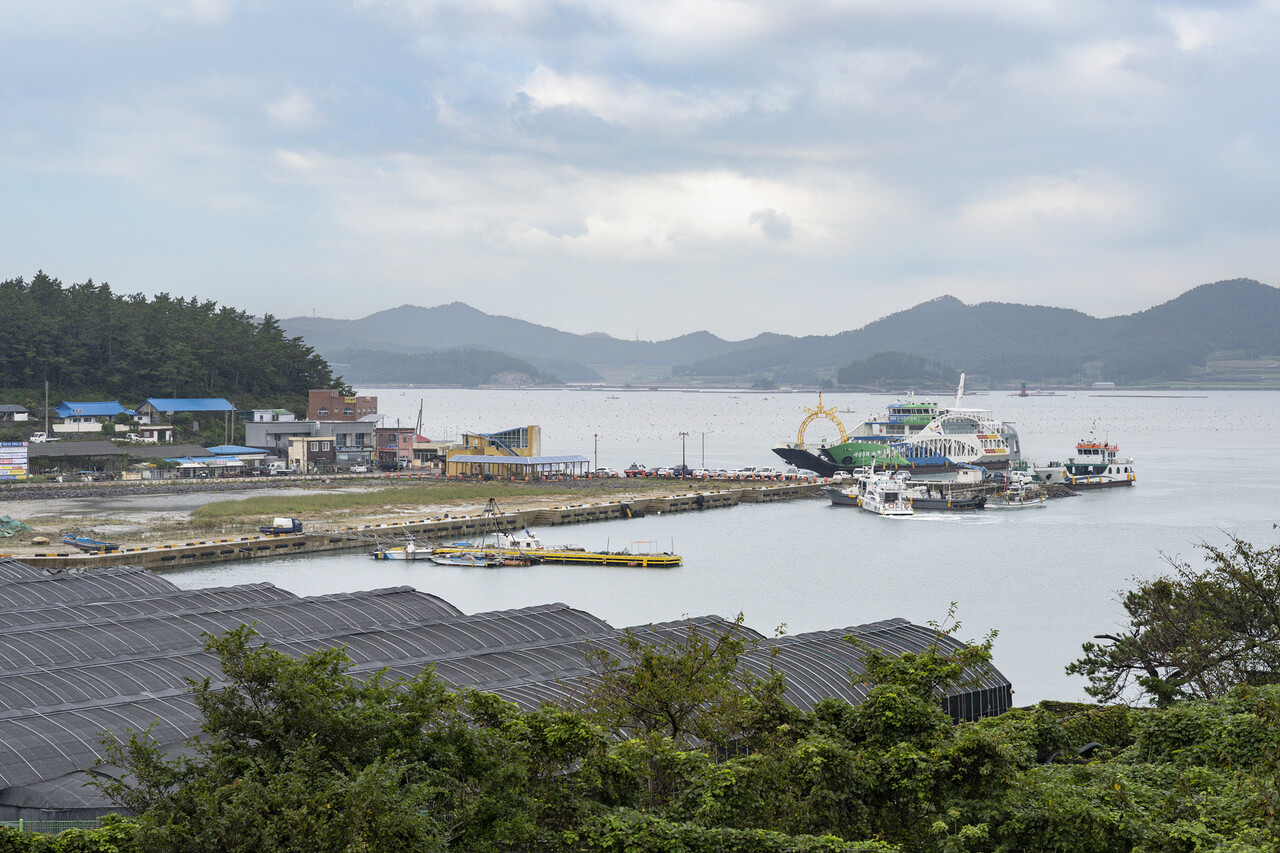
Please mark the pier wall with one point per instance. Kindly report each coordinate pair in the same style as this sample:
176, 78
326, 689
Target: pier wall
444, 527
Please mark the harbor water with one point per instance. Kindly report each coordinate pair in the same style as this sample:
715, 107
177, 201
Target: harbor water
1045, 579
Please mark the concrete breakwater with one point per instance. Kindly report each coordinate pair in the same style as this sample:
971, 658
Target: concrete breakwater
445, 526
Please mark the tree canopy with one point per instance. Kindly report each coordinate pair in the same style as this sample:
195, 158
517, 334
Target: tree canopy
1194, 634
86, 340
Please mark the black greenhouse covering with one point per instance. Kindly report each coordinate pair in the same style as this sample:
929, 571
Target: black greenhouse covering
113, 649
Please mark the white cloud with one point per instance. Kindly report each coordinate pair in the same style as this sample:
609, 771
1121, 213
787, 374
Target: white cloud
1096, 203
295, 110
634, 103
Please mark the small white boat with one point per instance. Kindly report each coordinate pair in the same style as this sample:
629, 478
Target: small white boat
884, 494
408, 551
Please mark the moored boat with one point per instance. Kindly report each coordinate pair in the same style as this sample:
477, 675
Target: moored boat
883, 493
1018, 495
917, 436
1096, 465
88, 544
528, 546
408, 551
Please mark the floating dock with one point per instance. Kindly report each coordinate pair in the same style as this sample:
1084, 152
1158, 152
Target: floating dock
442, 528
574, 556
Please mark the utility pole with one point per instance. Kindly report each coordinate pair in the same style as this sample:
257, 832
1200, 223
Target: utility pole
703, 433
596, 453
683, 466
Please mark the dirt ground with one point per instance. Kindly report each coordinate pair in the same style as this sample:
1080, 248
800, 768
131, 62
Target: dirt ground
154, 516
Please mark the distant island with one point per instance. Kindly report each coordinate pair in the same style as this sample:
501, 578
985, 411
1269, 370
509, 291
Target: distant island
1225, 334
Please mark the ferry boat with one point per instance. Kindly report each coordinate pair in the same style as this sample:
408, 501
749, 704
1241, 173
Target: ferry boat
919, 436
1096, 465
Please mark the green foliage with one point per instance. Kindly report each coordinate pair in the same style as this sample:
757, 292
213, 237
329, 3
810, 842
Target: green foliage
689, 687
1195, 634
897, 370
628, 831
298, 755
114, 835
86, 339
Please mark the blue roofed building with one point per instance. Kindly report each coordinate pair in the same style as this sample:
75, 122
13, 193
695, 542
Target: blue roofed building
204, 410
88, 417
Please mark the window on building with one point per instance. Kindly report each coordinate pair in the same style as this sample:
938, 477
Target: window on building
322, 412
348, 412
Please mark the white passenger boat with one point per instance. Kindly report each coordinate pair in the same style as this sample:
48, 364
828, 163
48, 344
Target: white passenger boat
884, 494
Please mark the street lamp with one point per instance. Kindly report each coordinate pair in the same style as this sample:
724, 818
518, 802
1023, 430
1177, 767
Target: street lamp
703, 433
683, 466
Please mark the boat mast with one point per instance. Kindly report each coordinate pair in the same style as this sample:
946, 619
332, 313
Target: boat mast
960, 392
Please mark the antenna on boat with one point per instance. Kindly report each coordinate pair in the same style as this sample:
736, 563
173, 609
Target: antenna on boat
960, 392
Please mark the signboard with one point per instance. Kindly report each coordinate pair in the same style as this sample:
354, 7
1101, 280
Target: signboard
13, 460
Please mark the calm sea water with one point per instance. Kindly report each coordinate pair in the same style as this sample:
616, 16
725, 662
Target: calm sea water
1045, 579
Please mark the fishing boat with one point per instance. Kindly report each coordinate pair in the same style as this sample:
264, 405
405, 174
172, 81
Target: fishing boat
938, 496
90, 545
483, 560
1096, 465
408, 551
943, 496
1018, 495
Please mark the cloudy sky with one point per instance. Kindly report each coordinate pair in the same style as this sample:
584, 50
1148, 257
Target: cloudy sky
642, 167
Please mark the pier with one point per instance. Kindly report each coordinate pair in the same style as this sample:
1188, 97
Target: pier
444, 527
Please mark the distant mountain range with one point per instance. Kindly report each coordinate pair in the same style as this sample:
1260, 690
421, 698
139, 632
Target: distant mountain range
1235, 321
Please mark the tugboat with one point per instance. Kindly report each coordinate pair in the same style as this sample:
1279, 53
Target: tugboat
1096, 465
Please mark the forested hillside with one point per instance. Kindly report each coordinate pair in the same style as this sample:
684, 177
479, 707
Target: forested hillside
1030, 343
467, 367
992, 341
89, 342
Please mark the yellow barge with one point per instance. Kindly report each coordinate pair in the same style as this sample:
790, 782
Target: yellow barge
527, 546
570, 556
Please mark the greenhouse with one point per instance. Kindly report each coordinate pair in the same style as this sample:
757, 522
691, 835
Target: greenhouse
82, 652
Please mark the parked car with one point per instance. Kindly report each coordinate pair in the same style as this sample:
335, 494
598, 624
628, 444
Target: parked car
635, 469
662, 472
701, 474
359, 469
608, 472
681, 471
40, 438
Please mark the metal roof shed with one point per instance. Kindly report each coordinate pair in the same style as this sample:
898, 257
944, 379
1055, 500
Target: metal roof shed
516, 466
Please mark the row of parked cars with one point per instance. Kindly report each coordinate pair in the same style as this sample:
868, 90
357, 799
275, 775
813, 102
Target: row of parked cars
748, 473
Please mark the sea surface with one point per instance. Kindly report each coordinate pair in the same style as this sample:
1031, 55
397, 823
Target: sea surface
1045, 579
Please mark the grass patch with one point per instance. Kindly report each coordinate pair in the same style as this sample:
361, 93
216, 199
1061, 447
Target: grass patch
379, 499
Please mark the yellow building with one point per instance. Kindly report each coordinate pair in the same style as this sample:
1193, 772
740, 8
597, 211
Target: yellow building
511, 453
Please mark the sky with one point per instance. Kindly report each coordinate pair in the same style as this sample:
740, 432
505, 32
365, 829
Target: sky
643, 168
